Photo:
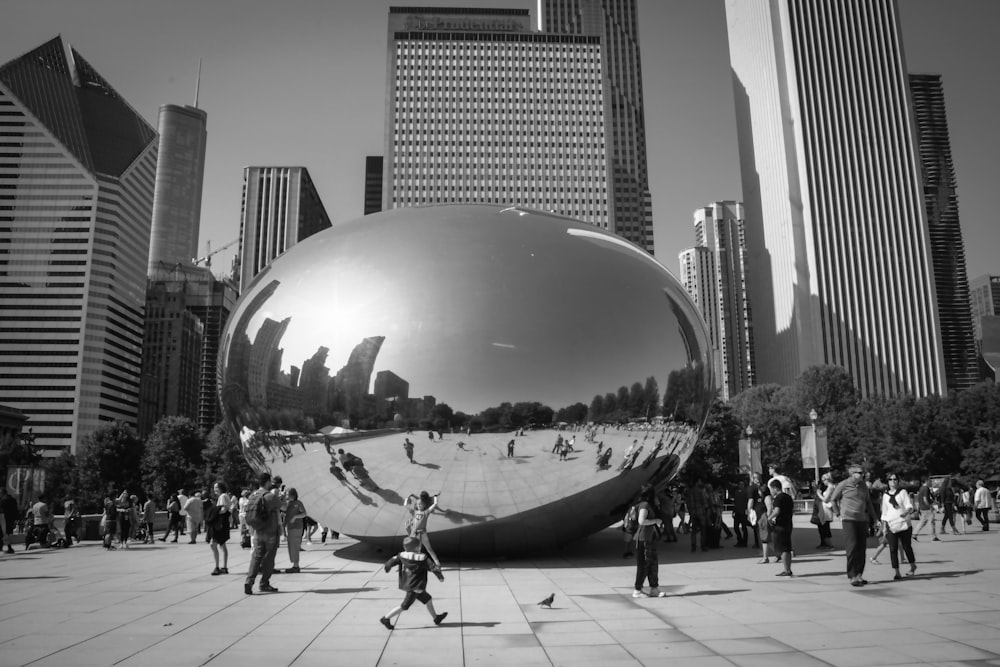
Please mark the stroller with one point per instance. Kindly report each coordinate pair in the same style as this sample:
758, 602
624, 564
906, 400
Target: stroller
48, 536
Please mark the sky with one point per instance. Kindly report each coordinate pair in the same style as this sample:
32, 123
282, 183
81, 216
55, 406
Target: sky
302, 82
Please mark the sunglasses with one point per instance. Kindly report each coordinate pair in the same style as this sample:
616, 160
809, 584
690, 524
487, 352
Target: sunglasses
893, 479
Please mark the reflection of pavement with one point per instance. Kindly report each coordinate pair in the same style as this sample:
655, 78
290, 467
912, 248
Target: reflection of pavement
158, 605
532, 499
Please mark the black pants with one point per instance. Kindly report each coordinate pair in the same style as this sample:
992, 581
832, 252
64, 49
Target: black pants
984, 517
896, 540
647, 564
855, 544
740, 525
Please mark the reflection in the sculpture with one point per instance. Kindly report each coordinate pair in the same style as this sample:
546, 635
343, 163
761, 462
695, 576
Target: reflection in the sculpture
460, 303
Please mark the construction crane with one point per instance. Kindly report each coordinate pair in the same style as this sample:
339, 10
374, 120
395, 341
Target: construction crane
209, 253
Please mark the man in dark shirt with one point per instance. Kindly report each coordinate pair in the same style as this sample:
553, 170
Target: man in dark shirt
740, 522
8, 508
781, 526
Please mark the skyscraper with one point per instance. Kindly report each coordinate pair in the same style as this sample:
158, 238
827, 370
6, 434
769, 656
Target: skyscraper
617, 23
373, 184
281, 207
77, 168
180, 173
836, 226
186, 309
985, 298
479, 108
947, 247
715, 273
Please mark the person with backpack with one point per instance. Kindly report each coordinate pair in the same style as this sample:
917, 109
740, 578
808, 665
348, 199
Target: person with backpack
648, 527
262, 519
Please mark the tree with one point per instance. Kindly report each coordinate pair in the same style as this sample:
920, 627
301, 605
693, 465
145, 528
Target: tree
636, 401
825, 389
174, 456
651, 398
108, 461
224, 460
596, 412
716, 458
770, 410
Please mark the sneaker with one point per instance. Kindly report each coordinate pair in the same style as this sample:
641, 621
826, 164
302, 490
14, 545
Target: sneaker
784, 574
874, 561
385, 621
292, 570
440, 617
225, 570
248, 589
897, 577
913, 570
638, 594
268, 588
216, 572
656, 593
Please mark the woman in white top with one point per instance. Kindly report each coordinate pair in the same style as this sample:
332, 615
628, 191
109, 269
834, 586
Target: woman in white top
896, 511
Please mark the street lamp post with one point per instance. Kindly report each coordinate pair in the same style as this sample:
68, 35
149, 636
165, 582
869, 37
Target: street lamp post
813, 416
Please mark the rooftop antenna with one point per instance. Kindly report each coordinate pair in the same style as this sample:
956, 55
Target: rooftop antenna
197, 85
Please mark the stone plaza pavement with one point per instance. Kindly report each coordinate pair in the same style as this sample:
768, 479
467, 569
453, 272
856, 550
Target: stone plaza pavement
158, 605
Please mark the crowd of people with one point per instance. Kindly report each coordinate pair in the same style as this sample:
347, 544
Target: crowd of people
763, 511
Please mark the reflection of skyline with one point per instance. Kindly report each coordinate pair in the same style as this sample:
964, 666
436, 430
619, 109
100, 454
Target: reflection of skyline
470, 304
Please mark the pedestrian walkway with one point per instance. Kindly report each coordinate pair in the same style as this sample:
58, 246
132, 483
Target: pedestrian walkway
158, 605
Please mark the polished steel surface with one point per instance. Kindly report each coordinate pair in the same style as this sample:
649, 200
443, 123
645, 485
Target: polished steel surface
398, 319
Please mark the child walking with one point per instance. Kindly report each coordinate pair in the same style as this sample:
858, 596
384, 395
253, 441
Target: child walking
413, 567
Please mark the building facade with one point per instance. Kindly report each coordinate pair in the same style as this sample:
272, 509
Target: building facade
715, 273
985, 301
373, 184
617, 23
180, 173
836, 226
77, 170
186, 310
951, 281
281, 207
482, 109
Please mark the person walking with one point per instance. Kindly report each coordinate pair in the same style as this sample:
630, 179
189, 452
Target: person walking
266, 537
124, 507
896, 511
696, 502
948, 505
217, 526
408, 448
647, 560
780, 520
983, 504
925, 506
294, 524
740, 522
413, 567
173, 518
148, 517
855, 511
71, 522
195, 510
823, 511
8, 508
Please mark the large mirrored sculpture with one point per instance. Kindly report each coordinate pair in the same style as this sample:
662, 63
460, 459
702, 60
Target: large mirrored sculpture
397, 326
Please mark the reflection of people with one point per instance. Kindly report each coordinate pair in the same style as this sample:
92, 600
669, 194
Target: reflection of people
510, 448
408, 446
420, 508
604, 460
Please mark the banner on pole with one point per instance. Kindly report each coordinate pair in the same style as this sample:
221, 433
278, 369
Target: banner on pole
745, 456
814, 450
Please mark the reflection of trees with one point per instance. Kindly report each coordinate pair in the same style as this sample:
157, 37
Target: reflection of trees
640, 401
687, 396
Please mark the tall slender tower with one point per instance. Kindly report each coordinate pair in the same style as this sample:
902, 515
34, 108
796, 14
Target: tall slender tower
77, 168
479, 108
617, 24
281, 207
715, 273
836, 225
180, 173
947, 247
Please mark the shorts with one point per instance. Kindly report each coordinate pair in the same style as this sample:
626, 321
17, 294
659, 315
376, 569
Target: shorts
781, 539
423, 597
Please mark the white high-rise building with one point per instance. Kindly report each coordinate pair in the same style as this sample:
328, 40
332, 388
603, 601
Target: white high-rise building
481, 109
77, 168
715, 273
836, 227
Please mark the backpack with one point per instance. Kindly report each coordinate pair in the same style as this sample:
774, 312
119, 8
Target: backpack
257, 512
630, 523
